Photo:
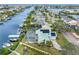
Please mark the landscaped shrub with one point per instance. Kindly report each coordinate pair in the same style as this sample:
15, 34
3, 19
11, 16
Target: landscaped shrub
4, 51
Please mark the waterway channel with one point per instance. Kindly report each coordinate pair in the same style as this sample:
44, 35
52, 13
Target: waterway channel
10, 27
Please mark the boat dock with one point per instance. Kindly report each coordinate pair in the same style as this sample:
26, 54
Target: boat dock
13, 38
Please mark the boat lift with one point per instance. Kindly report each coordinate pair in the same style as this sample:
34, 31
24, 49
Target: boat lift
13, 38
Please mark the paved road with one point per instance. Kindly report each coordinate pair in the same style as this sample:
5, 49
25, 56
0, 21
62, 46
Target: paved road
71, 38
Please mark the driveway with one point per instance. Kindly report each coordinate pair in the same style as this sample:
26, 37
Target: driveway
71, 38
56, 45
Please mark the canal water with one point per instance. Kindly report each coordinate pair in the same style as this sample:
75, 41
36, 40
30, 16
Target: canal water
10, 27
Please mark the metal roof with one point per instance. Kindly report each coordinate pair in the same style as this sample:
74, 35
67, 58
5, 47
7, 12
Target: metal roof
13, 36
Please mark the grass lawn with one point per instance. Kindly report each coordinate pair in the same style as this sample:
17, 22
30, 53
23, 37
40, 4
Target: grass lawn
28, 52
61, 40
4, 51
34, 52
20, 49
51, 50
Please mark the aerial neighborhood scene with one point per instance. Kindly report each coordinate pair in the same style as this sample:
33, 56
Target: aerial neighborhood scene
39, 29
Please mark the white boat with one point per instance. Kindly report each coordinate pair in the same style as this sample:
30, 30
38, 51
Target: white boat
4, 46
7, 45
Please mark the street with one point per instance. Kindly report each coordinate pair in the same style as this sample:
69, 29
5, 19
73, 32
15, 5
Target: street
71, 38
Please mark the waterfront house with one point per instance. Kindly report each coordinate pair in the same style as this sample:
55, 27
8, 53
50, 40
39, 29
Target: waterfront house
42, 34
72, 23
39, 20
65, 19
31, 36
45, 34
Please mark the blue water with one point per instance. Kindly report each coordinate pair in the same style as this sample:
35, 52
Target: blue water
11, 26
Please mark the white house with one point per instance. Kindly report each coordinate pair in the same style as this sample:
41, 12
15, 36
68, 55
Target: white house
69, 21
45, 34
73, 22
